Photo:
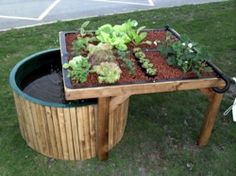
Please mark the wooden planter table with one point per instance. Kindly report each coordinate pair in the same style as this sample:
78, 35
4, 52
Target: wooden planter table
109, 97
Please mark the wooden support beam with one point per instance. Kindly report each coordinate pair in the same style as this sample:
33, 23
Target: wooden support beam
116, 101
102, 128
144, 88
208, 92
209, 119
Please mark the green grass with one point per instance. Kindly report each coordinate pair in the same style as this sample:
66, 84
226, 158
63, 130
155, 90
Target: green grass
162, 128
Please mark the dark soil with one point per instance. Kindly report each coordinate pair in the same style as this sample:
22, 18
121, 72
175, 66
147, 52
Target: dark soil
164, 71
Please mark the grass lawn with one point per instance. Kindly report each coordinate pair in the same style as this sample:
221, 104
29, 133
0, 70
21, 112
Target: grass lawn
162, 128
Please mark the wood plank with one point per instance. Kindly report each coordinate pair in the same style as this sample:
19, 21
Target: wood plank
46, 128
102, 128
86, 130
120, 124
25, 121
75, 133
42, 126
51, 131
117, 124
116, 101
81, 133
32, 141
92, 130
61, 120
111, 130
132, 89
126, 114
19, 114
69, 134
36, 127
209, 119
57, 132
208, 92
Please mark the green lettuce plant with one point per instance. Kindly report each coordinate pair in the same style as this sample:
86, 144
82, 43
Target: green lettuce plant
119, 36
108, 72
80, 44
78, 68
82, 41
100, 53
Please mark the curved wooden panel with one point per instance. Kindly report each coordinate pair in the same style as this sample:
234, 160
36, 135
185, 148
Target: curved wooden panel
66, 133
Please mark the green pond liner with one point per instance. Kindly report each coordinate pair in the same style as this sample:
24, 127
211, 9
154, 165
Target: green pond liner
34, 62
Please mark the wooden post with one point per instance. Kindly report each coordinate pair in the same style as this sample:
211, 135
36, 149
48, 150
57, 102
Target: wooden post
209, 120
102, 128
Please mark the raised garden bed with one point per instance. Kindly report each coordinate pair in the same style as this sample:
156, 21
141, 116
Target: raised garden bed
164, 71
150, 47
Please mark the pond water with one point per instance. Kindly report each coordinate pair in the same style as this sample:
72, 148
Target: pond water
45, 83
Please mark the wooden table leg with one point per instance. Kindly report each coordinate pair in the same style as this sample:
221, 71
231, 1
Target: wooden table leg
209, 120
102, 128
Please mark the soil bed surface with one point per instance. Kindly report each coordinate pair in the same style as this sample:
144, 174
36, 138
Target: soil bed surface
165, 72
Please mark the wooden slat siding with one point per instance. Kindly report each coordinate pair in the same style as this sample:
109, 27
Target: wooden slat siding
61, 121
81, 133
57, 132
69, 133
86, 132
51, 131
114, 126
30, 127
115, 101
126, 114
117, 117
80, 149
36, 127
117, 122
120, 128
75, 134
92, 130
34, 131
26, 121
111, 130
209, 119
96, 127
41, 125
48, 128
20, 114
102, 128
132, 89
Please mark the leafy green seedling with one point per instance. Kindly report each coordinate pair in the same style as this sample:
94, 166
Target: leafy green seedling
78, 68
82, 28
184, 54
149, 67
123, 55
100, 53
108, 72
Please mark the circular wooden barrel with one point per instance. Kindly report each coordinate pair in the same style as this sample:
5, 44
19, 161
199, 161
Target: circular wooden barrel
63, 131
